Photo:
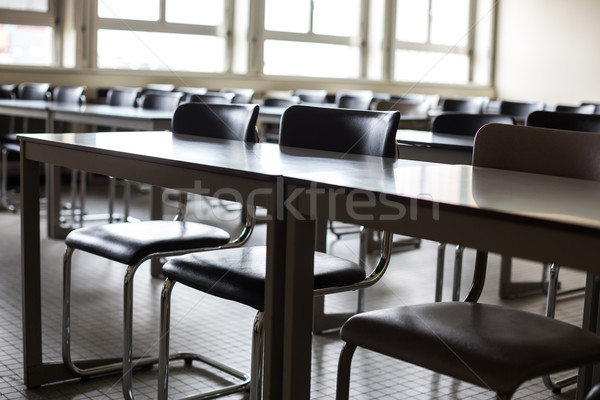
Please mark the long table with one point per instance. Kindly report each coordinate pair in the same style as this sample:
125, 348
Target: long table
494, 210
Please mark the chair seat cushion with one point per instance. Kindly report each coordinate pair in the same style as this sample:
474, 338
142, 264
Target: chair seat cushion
239, 274
128, 242
490, 346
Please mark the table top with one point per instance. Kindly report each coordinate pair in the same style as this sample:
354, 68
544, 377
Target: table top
436, 140
551, 199
110, 111
25, 104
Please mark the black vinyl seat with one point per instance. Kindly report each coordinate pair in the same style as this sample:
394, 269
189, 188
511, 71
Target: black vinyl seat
311, 95
463, 125
562, 120
242, 95
519, 109
581, 109
470, 105
495, 347
134, 243
157, 100
239, 274
281, 101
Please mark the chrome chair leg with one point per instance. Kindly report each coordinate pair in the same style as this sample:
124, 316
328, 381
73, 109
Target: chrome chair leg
555, 386
111, 198
94, 367
458, 256
126, 198
343, 374
256, 369
439, 276
4, 189
165, 357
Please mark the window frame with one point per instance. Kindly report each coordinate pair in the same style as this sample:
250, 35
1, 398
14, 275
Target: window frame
49, 18
162, 26
428, 46
360, 40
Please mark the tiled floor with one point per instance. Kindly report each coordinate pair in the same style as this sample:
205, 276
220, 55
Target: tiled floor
221, 329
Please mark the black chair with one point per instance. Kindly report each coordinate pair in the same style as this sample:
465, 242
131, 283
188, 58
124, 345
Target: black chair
470, 105
123, 96
242, 96
581, 109
239, 274
355, 100
567, 121
33, 91
491, 346
69, 94
156, 100
311, 95
7, 91
133, 243
463, 125
188, 92
519, 109
281, 101
213, 98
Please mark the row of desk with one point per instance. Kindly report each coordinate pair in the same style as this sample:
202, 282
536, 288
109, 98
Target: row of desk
524, 215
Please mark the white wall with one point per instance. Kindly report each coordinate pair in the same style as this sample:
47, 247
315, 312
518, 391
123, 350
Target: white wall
548, 50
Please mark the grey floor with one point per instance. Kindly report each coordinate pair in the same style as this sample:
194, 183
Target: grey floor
221, 329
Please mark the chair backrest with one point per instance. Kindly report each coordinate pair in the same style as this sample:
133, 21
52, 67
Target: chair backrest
281, 101
568, 121
466, 124
68, 94
7, 91
582, 109
520, 109
311, 95
355, 102
242, 96
160, 87
571, 154
212, 98
122, 96
471, 105
407, 108
597, 105
33, 91
188, 92
220, 121
346, 131
167, 101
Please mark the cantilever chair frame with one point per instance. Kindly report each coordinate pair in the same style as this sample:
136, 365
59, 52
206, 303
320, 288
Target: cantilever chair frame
88, 368
257, 340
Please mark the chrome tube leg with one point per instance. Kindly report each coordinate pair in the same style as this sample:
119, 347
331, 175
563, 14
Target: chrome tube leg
128, 331
458, 256
111, 198
82, 191
66, 310
256, 370
552, 290
126, 198
163, 340
73, 196
363, 251
343, 374
439, 276
4, 194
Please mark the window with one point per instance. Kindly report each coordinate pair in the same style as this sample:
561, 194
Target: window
27, 32
435, 40
179, 35
320, 38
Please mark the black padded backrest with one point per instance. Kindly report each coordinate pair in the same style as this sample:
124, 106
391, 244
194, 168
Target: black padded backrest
219, 121
33, 91
212, 98
568, 121
242, 96
354, 102
281, 101
407, 108
519, 109
472, 105
311, 95
166, 101
466, 124
68, 94
582, 109
571, 154
7, 91
345, 131
125, 97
